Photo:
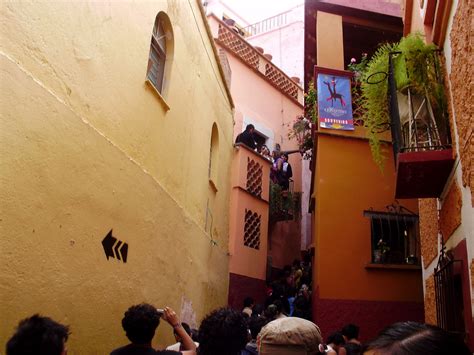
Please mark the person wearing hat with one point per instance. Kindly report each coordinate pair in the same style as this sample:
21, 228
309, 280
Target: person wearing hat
289, 336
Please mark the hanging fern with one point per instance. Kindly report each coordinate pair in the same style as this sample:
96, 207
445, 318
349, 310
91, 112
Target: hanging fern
415, 67
374, 99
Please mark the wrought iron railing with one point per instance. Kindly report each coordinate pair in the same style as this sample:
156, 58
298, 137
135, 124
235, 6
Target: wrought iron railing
418, 114
448, 293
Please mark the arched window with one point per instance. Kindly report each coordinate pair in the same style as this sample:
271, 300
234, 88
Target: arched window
213, 156
161, 52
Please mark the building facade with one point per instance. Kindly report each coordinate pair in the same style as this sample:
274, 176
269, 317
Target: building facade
117, 133
447, 222
267, 98
366, 253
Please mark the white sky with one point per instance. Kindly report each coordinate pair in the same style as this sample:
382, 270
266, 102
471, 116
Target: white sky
257, 10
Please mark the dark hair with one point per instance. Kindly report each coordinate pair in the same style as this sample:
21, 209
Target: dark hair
140, 323
417, 339
39, 336
222, 332
249, 127
248, 301
258, 310
255, 325
351, 331
335, 338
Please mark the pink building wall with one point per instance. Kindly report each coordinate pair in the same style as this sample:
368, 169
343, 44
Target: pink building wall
285, 43
260, 101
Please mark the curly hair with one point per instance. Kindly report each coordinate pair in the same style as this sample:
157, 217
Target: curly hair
38, 335
140, 323
223, 332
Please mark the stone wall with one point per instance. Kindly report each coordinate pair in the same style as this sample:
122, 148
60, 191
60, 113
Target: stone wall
428, 229
430, 301
462, 83
450, 214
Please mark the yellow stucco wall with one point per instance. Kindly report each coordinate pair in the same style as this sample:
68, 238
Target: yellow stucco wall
86, 146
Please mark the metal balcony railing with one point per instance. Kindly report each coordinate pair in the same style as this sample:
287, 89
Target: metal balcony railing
419, 118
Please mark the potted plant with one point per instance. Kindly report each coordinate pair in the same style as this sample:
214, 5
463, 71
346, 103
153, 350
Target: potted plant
380, 254
415, 69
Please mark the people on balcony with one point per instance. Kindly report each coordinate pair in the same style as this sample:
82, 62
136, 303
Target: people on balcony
281, 171
266, 152
285, 173
247, 138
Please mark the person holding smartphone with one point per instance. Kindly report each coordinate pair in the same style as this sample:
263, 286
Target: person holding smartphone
140, 323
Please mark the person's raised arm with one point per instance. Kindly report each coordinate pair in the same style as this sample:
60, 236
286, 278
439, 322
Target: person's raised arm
172, 318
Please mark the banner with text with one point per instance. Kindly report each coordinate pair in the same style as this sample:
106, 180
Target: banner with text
334, 102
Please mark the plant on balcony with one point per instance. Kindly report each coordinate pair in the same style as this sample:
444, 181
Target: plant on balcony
359, 70
301, 128
410, 71
284, 205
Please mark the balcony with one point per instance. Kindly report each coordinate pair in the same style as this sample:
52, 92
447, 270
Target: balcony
420, 132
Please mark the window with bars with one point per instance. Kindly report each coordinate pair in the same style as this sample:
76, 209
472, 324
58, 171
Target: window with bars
394, 237
159, 51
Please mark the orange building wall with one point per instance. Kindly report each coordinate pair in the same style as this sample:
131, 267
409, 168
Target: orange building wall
243, 260
348, 183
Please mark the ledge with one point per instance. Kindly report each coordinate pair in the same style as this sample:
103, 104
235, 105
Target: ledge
250, 194
161, 99
241, 145
393, 266
359, 132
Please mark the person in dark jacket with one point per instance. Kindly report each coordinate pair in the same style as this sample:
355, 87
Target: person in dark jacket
246, 137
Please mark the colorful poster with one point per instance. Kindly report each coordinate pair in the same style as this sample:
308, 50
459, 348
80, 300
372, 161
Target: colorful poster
335, 102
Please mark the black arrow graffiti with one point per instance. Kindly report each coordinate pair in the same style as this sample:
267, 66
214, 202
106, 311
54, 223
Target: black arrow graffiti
115, 248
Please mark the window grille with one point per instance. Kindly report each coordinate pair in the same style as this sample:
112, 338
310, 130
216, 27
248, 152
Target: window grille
394, 236
254, 177
252, 229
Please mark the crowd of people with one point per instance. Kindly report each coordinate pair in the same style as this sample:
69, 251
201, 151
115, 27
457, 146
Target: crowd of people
282, 325
227, 331
281, 171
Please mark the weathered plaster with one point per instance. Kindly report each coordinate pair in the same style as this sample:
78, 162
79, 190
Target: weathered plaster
87, 147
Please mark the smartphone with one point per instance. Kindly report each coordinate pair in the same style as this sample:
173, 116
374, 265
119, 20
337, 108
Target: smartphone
160, 311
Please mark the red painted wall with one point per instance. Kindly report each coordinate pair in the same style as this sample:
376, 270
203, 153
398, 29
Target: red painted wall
243, 286
370, 316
